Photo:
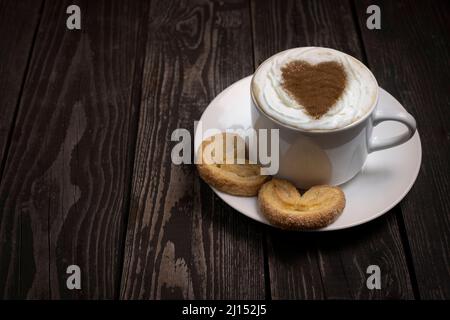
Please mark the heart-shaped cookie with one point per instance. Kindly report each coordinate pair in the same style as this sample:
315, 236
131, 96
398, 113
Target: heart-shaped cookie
283, 206
240, 178
315, 87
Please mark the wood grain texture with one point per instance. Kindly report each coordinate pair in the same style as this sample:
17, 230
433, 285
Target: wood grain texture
64, 189
18, 23
182, 241
326, 265
410, 58
85, 131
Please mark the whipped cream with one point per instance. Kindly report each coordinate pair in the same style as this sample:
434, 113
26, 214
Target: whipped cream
357, 99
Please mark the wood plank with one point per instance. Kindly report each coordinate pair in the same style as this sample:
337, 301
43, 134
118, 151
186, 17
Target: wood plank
331, 265
18, 24
410, 58
64, 190
182, 241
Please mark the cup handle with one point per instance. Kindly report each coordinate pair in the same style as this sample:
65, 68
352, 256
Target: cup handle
380, 115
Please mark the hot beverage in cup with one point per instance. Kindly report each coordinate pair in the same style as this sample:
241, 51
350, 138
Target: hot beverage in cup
324, 103
314, 88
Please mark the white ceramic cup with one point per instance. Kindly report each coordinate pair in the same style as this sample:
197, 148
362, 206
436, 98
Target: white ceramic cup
308, 157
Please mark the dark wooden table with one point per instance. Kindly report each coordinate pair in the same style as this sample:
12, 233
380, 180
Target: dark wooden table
86, 175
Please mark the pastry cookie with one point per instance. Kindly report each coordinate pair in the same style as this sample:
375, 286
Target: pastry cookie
282, 204
224, 166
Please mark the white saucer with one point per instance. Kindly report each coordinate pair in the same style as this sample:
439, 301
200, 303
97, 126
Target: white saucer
386, 178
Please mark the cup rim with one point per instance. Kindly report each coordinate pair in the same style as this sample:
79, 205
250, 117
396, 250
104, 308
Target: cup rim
320, 131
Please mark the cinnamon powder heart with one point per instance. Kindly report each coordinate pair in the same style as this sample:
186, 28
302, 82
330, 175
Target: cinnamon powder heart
316, 87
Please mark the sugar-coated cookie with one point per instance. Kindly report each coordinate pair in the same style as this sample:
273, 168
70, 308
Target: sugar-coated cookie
284, 207
233, 178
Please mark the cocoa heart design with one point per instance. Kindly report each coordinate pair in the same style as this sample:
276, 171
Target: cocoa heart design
316, 87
